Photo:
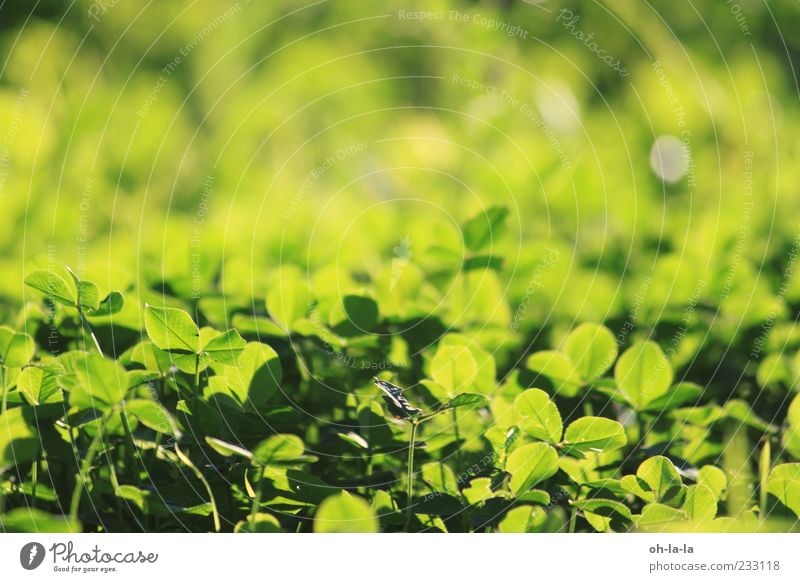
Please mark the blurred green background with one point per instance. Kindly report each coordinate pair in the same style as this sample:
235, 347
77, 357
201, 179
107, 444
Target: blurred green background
204, 146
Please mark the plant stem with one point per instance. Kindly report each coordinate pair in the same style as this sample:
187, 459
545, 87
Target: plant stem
257, 499
88, 327
80, 478
573, 516
3, 387
126, 425
457, 435
763, 475
572, 519
196, 376
35, 477
369, 471
410, 474
302, 364
188, 462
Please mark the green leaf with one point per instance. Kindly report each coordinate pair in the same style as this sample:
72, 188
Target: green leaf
101, 383
655, 515
466, 399
32, 520
540, 416
19, 440
479, 490
484, 228
643, 373
225, 348
440, 478
257, 377
535, 496
53, 285
700, 503
171, 329
594, 434
485, 379
453, 368
714, 478
354, 315
605, 514
793, 414
741, 411
279, 448
791, 436
258, 326
676, 396
288, 302
345, 513
227, 449
151, 357
16, 348
783, 483
656, 480
592, 348
523, 519
611, 485
259, 523
152, 415
559, 369
38, 386
772, 370
112, 304
531, 464
354, 439
88, 292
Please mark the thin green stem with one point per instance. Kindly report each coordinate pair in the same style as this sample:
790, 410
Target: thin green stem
641, 425
4, 388
196, 394
188, 462
302, 364
131, 457
369, 468
35, 477
88, 327
257, 499
410, 474
572, 519
81, 477
573, 516
457, 435
764, 463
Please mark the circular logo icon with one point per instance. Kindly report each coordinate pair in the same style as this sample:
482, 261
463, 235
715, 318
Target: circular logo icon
31, 555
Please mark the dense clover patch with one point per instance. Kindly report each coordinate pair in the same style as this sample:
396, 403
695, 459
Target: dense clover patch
263, 428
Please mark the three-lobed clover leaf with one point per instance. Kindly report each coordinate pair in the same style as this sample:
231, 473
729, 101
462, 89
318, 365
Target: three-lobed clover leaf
174, 331
656, 481
75, 292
